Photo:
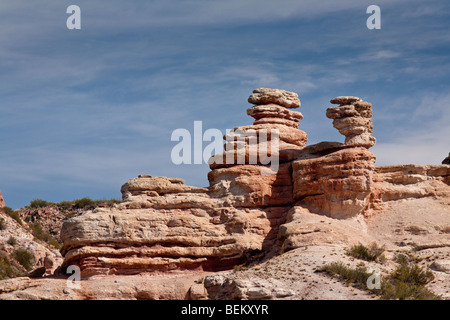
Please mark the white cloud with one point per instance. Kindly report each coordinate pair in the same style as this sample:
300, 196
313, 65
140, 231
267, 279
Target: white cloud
424, 137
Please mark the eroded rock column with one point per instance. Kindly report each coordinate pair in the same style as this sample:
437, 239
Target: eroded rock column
353, 119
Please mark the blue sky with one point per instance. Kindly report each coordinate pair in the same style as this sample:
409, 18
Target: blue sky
83, 111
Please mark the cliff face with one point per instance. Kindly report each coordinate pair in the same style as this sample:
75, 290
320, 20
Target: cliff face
250, 207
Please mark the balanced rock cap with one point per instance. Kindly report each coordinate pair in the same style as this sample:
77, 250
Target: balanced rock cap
281, 97
344, 100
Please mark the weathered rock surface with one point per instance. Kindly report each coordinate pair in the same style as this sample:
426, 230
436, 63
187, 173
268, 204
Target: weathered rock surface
337, 184
2, 201
400, 182
249, 206
353, 120
281, 97
273, 111
282, 221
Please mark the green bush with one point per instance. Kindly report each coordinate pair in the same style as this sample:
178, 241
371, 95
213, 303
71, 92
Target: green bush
12, 241
84, 203
40, 234
24, 257
372, 253
7, 269
406, 282
2, 224
356, 277
412, 274
65, 205
13, 214
39, 203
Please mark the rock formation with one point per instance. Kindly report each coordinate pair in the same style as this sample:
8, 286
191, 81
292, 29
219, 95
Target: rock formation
250, 206
2, 201
446, 160
353, 119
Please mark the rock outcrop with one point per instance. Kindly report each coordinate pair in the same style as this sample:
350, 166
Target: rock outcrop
353, 119
2, 201
446, 160
268, 192
21, 252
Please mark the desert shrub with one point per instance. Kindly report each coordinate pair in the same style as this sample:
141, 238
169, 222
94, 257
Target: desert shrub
398, 290
39, 203
406, 282
12, 241
354, 276
2, 224
114, 201
371, 253
7, 269
41, 234
24, 257
38, 232
65, 205
13, 214
84, 203
412, 274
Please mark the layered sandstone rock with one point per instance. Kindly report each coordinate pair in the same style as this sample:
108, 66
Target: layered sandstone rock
337, 184
273, 133
353, 119
2, 201
267, 191
281, 97
400, 182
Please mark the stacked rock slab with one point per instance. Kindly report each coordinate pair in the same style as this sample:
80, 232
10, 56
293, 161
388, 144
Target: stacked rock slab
274, 130
338, 180
353, 119
275, 133
165, 225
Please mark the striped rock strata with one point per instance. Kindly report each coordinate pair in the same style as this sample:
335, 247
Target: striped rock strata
250, 207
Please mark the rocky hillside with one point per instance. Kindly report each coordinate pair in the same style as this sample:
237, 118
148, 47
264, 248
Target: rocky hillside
20, 251
316, 222
30, 237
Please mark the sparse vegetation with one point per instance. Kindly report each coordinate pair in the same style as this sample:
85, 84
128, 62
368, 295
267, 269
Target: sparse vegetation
39, 203
12, 241
24, 257
406, 282
356, 277
371, 253
40, 234
13, 214
83, 203
239, 268
7, 268
2, 224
